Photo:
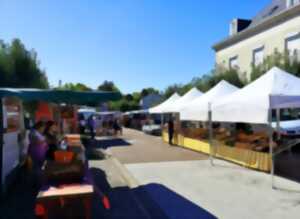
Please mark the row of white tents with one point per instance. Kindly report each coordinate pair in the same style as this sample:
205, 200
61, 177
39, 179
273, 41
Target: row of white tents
252, 104
274, 90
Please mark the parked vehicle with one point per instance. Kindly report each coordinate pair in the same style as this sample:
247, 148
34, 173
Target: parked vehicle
152, 129
289, 128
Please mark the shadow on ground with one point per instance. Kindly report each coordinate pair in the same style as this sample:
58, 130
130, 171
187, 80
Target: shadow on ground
113, 142
173, 205
287, 164
19, 200
104, 142
151, 201
94, 147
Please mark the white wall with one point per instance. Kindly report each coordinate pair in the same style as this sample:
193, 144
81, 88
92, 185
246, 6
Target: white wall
270, 39
11, 153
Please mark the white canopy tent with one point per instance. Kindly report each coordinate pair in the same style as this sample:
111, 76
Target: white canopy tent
163, 107
275, 89
142, 111
198, 109
254, 103
184, 100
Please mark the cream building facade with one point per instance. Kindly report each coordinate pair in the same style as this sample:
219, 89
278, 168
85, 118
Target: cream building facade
275, 28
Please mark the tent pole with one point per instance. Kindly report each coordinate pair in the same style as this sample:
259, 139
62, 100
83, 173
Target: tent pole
271, 148
162, 123
278, 124
1, 148
210, 134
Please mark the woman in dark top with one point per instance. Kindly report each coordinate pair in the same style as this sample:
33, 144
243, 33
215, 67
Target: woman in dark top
38, 146
51, 138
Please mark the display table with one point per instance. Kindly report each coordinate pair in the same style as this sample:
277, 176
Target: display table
73, 140
60, 196
245, 157
54, 199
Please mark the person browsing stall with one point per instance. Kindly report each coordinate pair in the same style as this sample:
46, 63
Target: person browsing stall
38, 146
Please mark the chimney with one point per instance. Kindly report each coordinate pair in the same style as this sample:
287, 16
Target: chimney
59, 83
237, 25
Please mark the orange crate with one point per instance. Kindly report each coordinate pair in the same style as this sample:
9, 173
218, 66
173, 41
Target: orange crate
63, 156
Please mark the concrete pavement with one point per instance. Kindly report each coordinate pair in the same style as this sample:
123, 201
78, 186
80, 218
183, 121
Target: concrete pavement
183, 184
225, 190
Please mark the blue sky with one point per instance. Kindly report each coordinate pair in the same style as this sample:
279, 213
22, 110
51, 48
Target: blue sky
135, 43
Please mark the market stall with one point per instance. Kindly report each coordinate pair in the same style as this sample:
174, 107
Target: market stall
196, 138
197, 109
135, 119
12, 120
172, 107
185, 100
164, 107
273, 91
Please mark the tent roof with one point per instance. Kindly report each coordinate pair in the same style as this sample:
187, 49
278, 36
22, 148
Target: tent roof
142, 111
197, 110
184, 100
163, 107
61, 96
275, 89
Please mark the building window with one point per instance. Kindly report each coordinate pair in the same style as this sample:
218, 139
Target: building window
233, 62
292, 45
291, 3
258, 56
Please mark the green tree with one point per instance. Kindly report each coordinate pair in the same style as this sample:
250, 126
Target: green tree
285, 61
108, 86
19, 67
75, 87
124, 105
136, 96
229, 75
128, 97
146, 91
170, 90
207, 81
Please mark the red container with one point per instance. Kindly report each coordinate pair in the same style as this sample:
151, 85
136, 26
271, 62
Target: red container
63, 156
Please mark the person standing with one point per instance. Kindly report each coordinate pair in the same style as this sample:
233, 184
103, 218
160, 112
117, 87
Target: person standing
82, 124
171, 131
117, 127
91, 124
38, 146
51, 138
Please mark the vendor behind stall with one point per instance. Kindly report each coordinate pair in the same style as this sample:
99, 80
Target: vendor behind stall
50, 134
171, 130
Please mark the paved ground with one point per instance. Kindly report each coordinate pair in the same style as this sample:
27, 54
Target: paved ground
226, 190
287, 164
140, 148
175, 183
126, 202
